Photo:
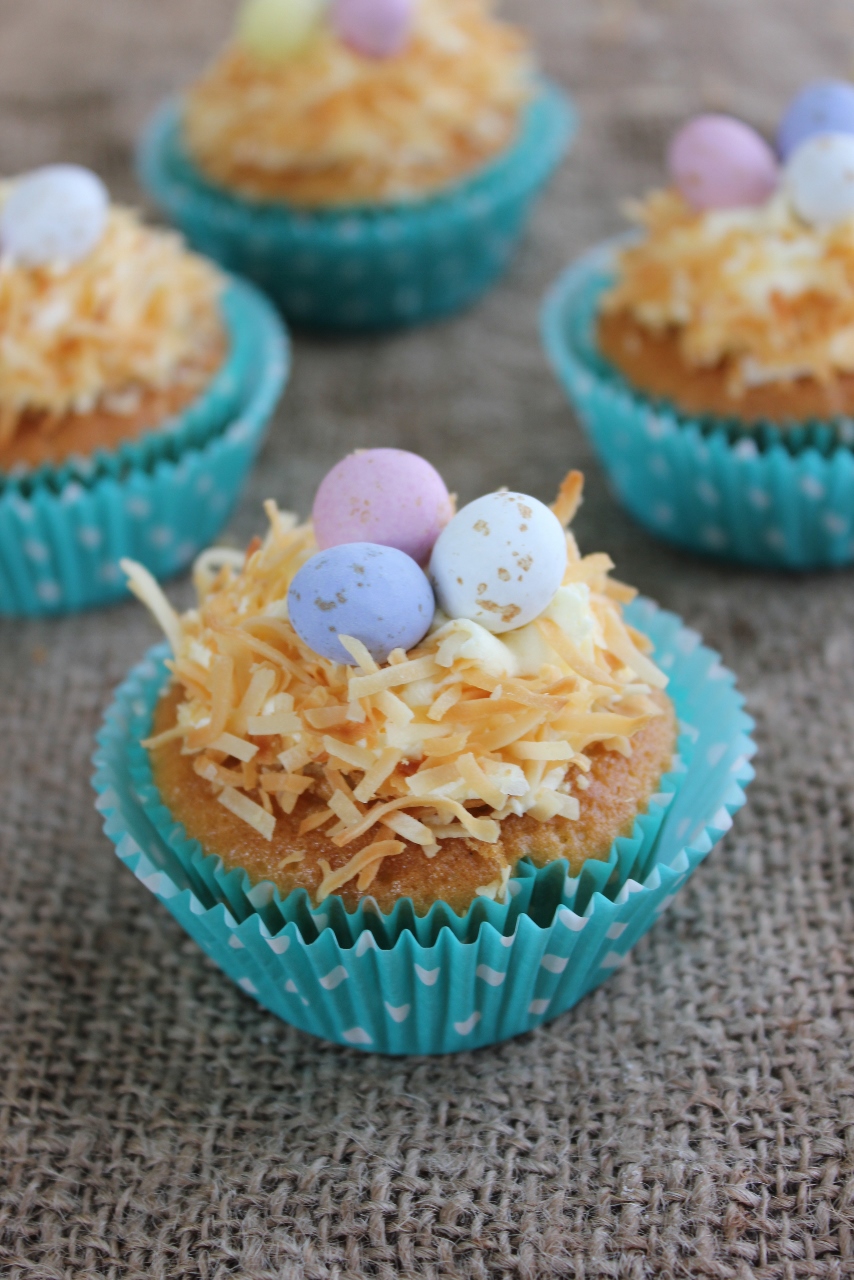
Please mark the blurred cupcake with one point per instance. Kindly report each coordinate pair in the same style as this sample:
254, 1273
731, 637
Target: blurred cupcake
711, 357
418, 789
122, 354
369, 162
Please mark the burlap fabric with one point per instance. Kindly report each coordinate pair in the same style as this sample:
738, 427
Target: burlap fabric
696, 1114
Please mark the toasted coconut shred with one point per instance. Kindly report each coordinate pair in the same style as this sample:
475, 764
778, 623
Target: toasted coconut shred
439, 743
330, 126
137, 313
754, 287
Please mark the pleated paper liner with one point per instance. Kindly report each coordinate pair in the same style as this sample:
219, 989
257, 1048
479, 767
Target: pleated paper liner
531, 891
62, 534
397, 984
365, 266
764, 494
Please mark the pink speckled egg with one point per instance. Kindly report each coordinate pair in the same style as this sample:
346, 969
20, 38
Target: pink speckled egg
375, 28
720, 163
386, 496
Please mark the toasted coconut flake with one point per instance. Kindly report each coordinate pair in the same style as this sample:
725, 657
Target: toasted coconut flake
568, 500
372, 854
251, 813
429, 750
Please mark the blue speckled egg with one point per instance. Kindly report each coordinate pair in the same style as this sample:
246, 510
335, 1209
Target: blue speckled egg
826, 106
377, 594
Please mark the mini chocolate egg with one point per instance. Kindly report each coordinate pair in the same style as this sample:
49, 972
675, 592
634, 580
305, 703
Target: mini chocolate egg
54, 215
718, 162
278, 29
375, 28
826, 106
386, 496
819, 179
499, 562
376, 594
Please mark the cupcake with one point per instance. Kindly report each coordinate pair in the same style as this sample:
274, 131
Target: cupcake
711, 355
397, 727
123, 356
370, 163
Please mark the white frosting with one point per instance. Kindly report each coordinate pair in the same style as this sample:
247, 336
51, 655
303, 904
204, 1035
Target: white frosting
522, 652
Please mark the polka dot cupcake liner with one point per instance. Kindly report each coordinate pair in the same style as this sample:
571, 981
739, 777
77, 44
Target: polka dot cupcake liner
63, 531
365, 267
399, 984
766, 497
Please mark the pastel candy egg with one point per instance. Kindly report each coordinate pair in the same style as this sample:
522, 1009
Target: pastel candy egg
375, 28
499, 562
278, 29
376, 594
386, 496
819, 179
827, 106
717, 162
54, 215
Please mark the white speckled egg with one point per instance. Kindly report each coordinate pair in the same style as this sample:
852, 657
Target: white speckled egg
499, 561
819, 179
54, 215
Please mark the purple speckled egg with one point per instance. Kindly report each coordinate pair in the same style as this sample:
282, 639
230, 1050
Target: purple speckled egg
376, 594
386, 496
826, 106
720, 163
375, 28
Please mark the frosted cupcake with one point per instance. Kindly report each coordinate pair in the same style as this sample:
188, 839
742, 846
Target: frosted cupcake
121, 351
712, 355
339, 724
409, 810
317, 155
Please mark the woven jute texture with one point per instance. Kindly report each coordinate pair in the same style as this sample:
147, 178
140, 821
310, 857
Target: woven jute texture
695, 1116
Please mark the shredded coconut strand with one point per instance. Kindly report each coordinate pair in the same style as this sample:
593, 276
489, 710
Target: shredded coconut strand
332, 127
436, 744
756, 287
137, 313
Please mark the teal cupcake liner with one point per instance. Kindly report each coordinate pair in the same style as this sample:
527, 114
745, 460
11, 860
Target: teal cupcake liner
629, 857
365, 267
398, 984
62, 537
770, 497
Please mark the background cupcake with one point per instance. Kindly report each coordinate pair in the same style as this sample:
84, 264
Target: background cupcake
123, 355
711, 357
340, 746
369, 162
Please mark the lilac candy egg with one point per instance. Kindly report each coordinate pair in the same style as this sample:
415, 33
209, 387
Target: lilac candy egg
720, 163
387, 496
375, 28
499, 562
827, 106
376, 594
